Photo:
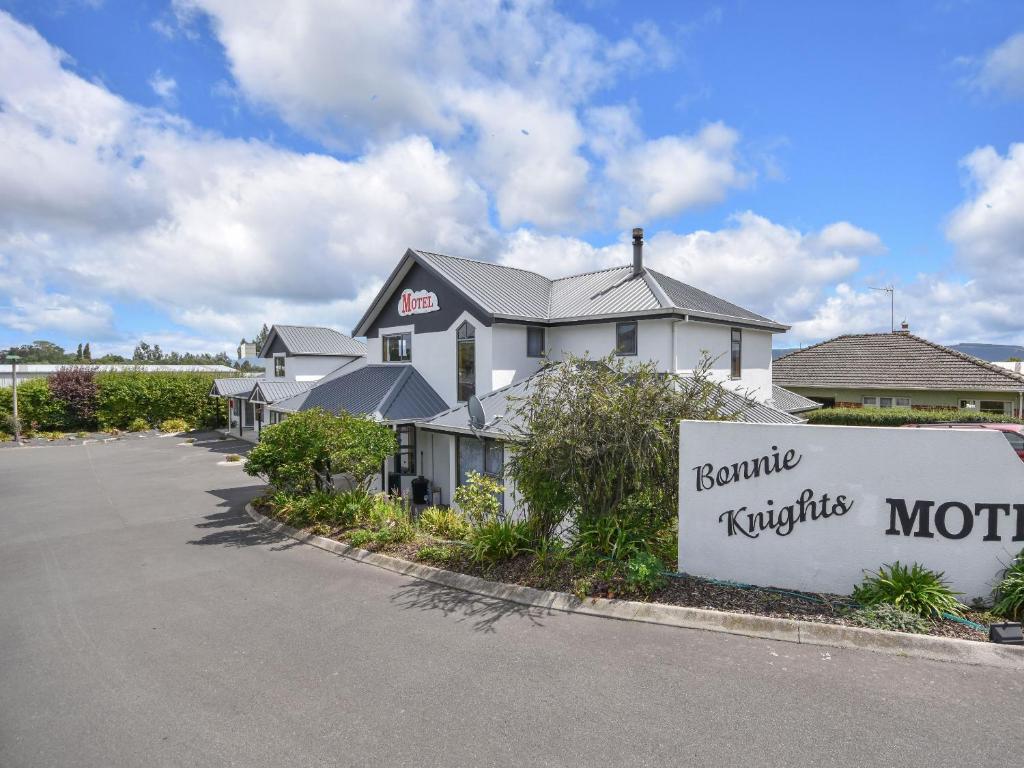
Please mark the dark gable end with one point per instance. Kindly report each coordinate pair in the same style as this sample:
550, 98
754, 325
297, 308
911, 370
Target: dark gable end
451, 302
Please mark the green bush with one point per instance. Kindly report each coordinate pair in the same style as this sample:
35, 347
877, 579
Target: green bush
478, 498
138, 424
644, 573
441, 554
233, 458
444, 523
125, 395
307, 449
52, 435
4, 437
1010, 592
888, 616
174, 425
611, 537
360, 537
897, 417
497, 540
914, 589
38, 409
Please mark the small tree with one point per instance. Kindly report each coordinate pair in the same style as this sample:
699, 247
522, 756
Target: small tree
478, 498
598, 438
76, 390
86, 352
304, 451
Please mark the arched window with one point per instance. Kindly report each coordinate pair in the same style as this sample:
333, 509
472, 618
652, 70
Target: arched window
465, 361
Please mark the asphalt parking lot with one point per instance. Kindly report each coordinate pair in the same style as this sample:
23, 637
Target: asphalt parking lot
146, 621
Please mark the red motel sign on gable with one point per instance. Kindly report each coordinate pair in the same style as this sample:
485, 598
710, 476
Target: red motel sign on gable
417, 302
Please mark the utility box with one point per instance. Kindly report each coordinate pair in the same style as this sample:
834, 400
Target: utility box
1007, 633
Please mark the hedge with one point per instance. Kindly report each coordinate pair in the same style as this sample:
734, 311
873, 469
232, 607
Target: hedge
121, 397
897, 417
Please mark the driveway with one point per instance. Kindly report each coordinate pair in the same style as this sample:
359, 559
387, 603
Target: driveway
146, 621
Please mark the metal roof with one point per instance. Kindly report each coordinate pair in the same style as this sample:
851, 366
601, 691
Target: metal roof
791, 402
897, 361
313, 340
267, 391
503, 424
390, 392
518, 294
115, 367
235, 387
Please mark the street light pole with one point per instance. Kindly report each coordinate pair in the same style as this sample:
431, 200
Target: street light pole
14, 396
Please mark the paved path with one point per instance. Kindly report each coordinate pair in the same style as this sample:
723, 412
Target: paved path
145, 621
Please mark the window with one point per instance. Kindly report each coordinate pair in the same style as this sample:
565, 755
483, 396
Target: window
736, 353
534, 342
625, 338
869, 402
484, 456
465, 361
873, 401
279, 365
986, 406
901, 402
276, 417
397, 347
405, 459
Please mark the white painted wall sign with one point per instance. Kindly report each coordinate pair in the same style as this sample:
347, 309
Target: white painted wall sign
811, 508
417, 302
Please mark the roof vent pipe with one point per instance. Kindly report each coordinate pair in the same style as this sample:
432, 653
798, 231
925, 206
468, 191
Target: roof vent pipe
638, 251
904, 327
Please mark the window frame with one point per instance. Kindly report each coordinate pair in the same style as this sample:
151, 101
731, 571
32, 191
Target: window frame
636, 338
279, 357
465, 334
404, 338
735, 353
533, 329
406, 448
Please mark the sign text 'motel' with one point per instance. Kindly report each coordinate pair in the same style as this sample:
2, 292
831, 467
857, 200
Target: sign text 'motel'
417, 302
951, 519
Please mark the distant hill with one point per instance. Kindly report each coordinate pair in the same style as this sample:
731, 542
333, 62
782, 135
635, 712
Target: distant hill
990, 352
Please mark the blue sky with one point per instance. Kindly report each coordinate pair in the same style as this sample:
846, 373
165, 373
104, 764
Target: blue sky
185, 172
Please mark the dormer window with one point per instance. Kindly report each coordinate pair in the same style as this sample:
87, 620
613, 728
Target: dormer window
465, 361
279, 366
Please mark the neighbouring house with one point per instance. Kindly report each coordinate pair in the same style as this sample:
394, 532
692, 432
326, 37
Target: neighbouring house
28, 371
898, 370
465, 328
295, 357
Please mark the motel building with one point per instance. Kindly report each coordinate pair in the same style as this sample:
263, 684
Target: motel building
445, 330
295, 358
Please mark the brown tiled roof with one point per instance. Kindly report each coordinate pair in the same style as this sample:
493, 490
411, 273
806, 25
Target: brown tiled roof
890, 361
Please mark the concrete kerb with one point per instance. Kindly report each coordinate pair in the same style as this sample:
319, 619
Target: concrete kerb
766, 627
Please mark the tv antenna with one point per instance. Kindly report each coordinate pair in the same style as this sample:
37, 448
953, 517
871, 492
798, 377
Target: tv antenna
891, 290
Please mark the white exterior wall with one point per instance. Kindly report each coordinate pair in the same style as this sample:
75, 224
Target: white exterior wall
305, 367
693, 338
509, 361
654, 341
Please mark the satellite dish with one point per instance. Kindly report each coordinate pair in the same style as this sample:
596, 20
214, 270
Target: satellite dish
477, 414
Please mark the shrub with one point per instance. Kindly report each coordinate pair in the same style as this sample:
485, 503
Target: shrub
52, 435
897, 417
4, 437
303, 510
37, 407
592, 434
81, 435
174, 425
888, 616
233, 458
304, 451
644, 573
156, 396
444, 523
75, 390
389, 520
138, 424
360, 537
612, 537
1010, 592
354, 507
497, 540
914, 589
437, 553
478, 498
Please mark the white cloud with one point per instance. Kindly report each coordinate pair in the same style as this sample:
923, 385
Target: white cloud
165, 87
1001, 69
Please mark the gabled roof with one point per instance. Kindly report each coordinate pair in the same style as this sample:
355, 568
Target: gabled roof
389, 392
890, 361
267, 391
503, 424
791, 402
239, 386
313, 340
509, 293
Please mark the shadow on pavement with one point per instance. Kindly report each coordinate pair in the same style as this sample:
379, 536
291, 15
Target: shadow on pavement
234, 528
214, 442
483, 612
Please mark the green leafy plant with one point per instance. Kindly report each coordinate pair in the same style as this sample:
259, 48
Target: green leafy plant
498, 540
897, 417
890, 617
644, 573
478, 498
360, 537
4, 437
233, 457
1010, 592
437, 553
444, 523
914, 589
174, 425
582, 587
138, 424
306, 450
618, 538
52, 435
81, 435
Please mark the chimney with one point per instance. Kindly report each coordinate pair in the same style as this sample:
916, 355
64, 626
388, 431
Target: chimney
638, 251
904, 327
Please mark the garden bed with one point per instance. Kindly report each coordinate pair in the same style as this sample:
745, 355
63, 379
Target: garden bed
564, 574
